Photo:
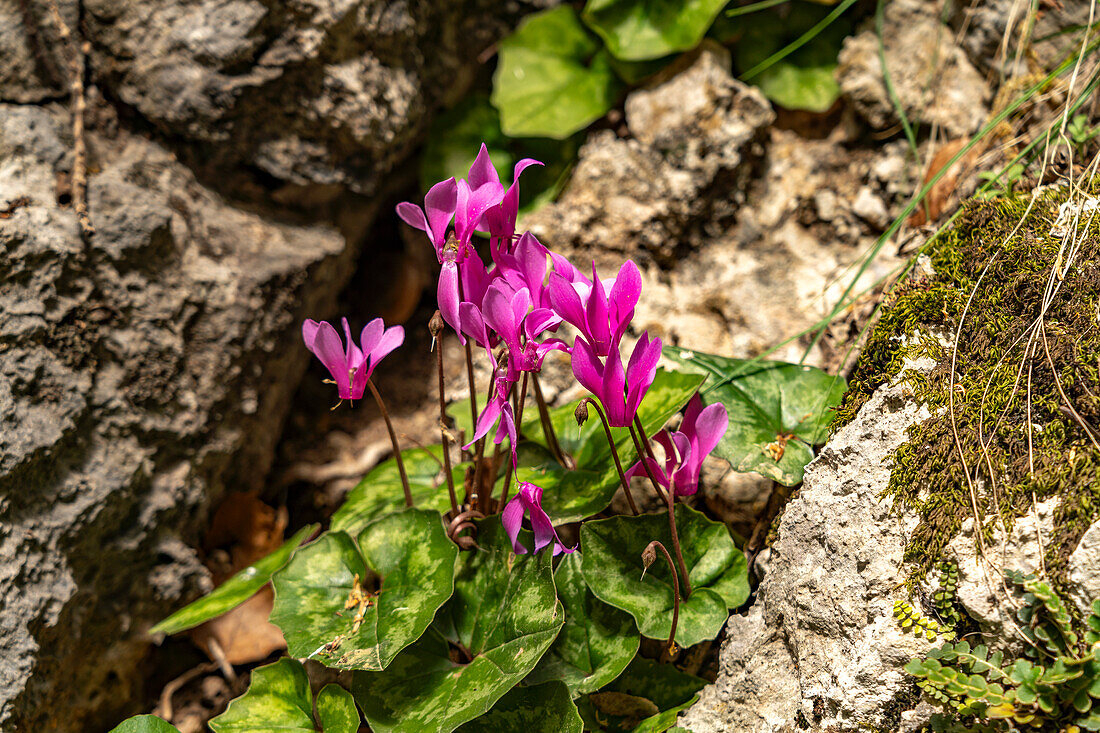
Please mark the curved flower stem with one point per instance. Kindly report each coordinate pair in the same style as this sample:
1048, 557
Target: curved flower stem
507, 485
473, 386
614, 454
393, 441
522, 403
436, 327
649, 555
548, 428
667, 496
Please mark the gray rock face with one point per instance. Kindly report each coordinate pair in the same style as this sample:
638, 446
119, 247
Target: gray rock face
141, 376
1083, 576
820, 647
932, 76
327, 92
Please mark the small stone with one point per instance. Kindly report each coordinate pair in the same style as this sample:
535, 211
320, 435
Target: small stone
870, 208
827, 204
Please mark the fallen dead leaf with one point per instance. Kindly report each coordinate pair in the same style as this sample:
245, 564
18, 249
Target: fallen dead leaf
940, 194
243, 634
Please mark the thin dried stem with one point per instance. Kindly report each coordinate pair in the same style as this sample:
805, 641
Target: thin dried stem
393, 442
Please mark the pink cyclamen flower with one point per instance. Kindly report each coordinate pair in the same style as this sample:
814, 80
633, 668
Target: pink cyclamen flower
529, 501
508, 313
685, 449
601, 317
498, 412
351, 365
619, 391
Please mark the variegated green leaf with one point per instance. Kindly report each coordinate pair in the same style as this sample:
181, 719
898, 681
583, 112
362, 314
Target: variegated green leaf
612, 566
234, 591
380, 491
502, 618
646, 697
545, 708
278, 700
596, 642
326, 616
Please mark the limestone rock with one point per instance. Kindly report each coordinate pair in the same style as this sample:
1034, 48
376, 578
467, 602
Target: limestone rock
932, 76
317, 92
693, 129
142, 375
1083, 576
820, 645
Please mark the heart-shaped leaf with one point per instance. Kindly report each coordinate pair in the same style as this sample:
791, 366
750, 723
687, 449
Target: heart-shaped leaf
777, 411
380, 491
330, 609
545, 708
642, 698
612, 566
234, 591
596, 642
569, 496
552, 78
502, 618
278, 699
636, 30
145, 724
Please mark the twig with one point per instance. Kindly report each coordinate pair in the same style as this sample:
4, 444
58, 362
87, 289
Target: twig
75, 53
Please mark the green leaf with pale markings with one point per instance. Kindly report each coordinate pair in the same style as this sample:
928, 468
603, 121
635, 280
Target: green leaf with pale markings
545, 708
612, 566
641, 699
409, 553
636, 30
336, 709
504, 613
278, 700
145, 724
569, 496
234, 591
552, 77
380, 491
777, 411
597, 641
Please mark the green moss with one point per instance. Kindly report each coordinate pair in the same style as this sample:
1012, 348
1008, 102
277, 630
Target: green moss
1007, 374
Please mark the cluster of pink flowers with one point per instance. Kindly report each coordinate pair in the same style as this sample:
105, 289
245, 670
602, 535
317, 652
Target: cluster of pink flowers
519, 303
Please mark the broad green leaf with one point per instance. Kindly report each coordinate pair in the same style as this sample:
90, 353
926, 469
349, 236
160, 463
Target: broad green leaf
636, 30
552, 78
804, 79
612, 566
234, 591
777, 411
278, 699
643, 698
811, 88
380, 490
569, 496
597, 641
545, 708
318, 604
635, 72
336, 709
145, 724
664, 720
504, 613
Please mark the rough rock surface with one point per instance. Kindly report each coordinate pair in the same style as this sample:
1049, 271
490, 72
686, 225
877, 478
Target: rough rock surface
820, 646
932, 76
695, 130
1083, 576
328, 92
141, 376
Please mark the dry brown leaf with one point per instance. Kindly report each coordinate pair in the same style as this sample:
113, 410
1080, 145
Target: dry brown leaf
244, 634
248, 526
938, 197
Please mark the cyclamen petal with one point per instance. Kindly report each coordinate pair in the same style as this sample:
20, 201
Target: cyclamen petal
447, 295
351, 364
528, 500
641, 371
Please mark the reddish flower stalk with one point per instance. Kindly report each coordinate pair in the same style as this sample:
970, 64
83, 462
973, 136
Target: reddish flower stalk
435, 327
611, 443
668, 502
393, 442
649, 556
